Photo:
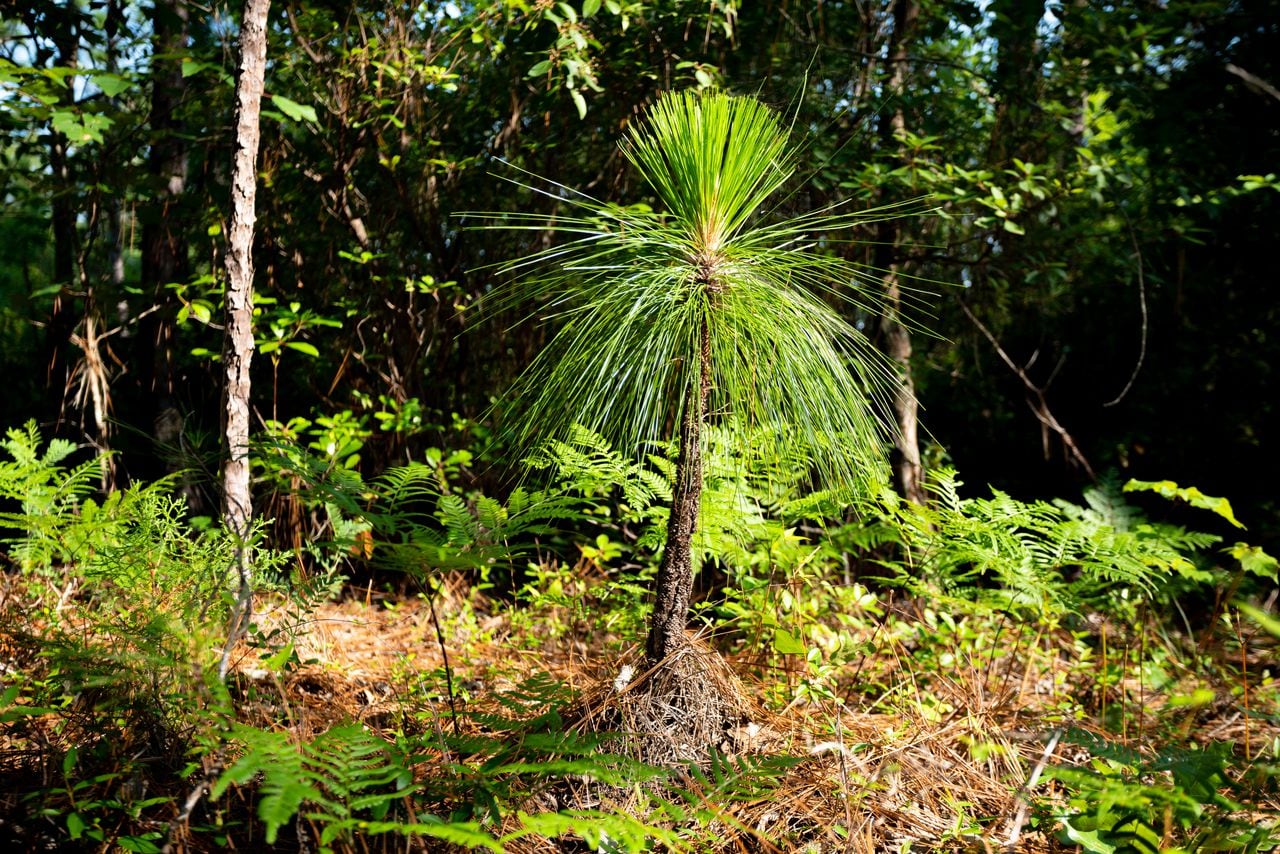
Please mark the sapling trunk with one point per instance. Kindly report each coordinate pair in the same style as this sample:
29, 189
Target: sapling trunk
674, 584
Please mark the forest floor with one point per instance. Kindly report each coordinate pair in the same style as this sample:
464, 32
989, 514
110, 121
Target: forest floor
921, 729
959, 763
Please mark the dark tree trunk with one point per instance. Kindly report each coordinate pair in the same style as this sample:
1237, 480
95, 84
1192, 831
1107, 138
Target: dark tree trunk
165, 258
1017, 80
895, 338
64, 317
61, 32
674, 585
164, 244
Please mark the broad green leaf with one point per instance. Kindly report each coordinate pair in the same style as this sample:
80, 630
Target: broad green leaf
788, 644
1254, 560
579, 102
111, 84
1191, 495
79, 129
1197, 698
1089, 840
294, 110
590, 7
281, 658
539, 68
303, 347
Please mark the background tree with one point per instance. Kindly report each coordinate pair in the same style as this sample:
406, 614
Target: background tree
165, 253
238, 353
1079, 219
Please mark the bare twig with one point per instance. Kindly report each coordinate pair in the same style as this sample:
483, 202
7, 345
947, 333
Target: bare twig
188, 806
1142, 303
1036, 396
431, 594
1015, 827
1254, 80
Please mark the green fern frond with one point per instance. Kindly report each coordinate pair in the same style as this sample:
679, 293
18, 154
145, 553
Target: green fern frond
47, 493
601, 831
467, 834
419, 526
332, 780
1047, 555
747, 777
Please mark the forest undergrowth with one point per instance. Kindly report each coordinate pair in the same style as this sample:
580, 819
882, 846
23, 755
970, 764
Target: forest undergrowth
434, 669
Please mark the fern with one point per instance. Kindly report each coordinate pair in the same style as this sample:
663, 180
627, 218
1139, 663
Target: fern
1107, 506
610, 833
417, 522
345, 780
151, 557
30, 476
742, 493
48, 493
728, 778
420, 527
1048, 556
1124, 801
589, 466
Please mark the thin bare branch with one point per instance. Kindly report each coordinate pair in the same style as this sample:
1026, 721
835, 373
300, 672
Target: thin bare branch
1142, 304
1036, 396
1254, 80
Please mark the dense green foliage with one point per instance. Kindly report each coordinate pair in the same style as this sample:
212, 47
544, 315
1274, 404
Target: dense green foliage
1105, 176
637, 292
1078, 650
114, 697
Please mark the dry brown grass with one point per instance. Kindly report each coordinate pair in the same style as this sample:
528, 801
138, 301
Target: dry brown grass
892, 780
941, 777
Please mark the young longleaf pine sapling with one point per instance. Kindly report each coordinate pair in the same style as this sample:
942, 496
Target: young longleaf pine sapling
716, 309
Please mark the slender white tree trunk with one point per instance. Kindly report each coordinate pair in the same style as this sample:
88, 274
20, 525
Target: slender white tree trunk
238, 348
237, 507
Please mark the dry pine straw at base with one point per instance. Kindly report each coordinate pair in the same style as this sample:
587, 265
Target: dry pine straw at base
889, 779
904, 783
